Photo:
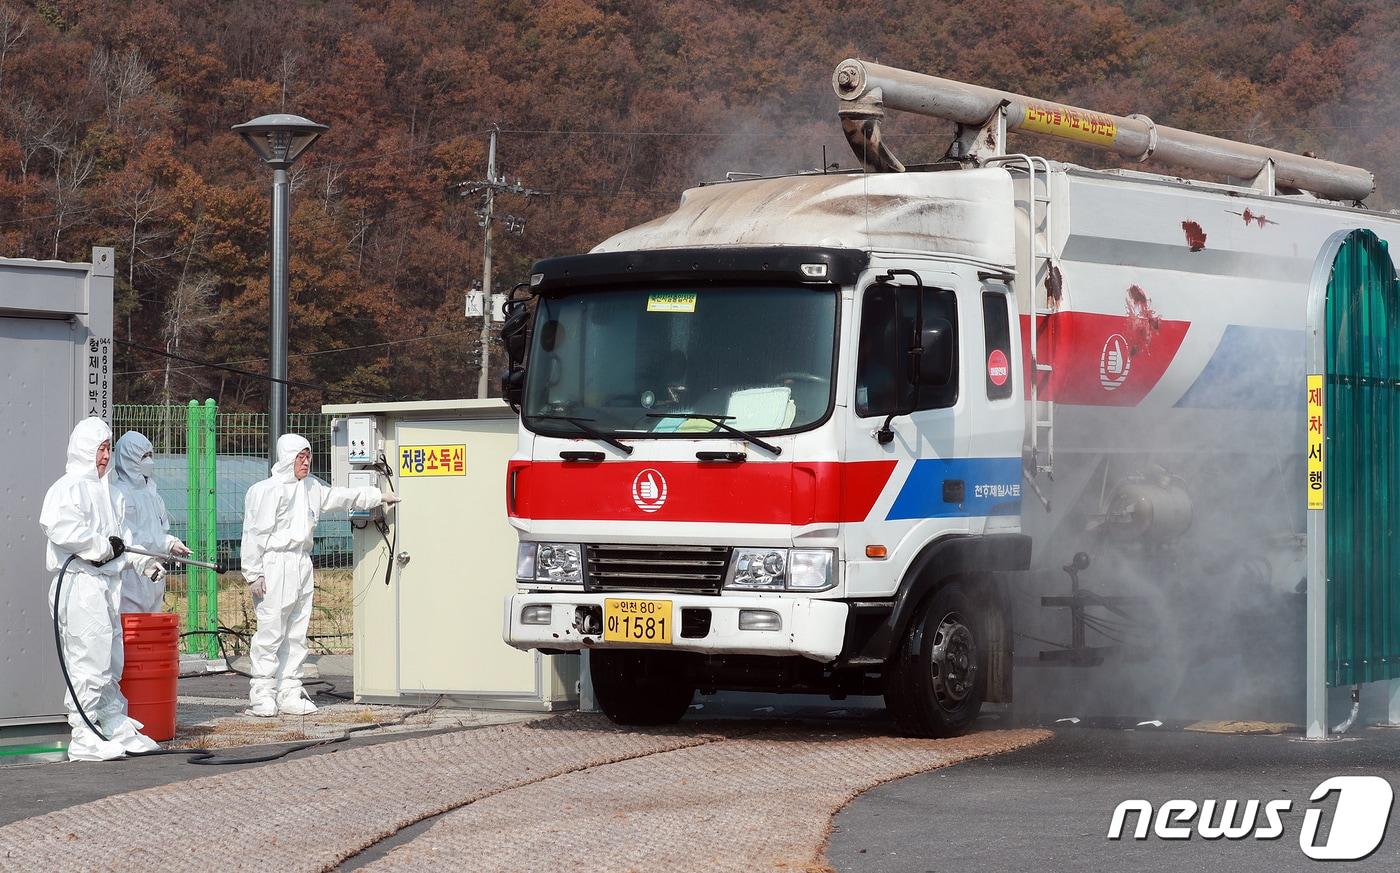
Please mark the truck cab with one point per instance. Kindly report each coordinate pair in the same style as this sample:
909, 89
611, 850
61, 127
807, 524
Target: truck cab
773, 442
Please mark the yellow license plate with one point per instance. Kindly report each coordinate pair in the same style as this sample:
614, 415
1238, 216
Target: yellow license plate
637, 621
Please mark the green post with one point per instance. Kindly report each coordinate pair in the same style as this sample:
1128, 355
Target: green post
209, 458
194, 517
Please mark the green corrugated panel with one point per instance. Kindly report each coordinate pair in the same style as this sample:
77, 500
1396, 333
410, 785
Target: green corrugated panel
1362, 406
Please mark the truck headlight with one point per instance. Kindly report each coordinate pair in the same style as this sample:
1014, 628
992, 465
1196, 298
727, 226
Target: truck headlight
810, 570
761, 569
555, 563
782, 569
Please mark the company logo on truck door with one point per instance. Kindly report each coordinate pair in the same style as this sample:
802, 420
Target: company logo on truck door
649, 490
997, 367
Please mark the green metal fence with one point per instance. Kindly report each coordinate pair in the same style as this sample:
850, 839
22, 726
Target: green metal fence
202, 470
205, 462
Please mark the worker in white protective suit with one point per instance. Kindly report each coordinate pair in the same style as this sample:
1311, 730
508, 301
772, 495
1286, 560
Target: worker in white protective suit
78, 519
279, 524
144, 520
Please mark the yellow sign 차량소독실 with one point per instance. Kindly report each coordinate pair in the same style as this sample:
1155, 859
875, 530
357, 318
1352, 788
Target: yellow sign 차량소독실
432, 460
671, 301
1316, 449
1076, 124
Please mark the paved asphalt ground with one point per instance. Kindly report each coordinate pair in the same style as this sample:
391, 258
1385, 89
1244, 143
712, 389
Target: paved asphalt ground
1048, 807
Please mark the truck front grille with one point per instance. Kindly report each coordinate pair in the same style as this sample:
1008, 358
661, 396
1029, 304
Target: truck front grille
693, 569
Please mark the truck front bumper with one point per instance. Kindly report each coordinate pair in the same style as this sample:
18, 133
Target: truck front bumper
811, 628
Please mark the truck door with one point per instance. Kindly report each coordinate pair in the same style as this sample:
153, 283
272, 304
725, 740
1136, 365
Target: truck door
926, 428
955, 448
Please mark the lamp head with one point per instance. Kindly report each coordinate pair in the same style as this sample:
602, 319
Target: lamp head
280, 139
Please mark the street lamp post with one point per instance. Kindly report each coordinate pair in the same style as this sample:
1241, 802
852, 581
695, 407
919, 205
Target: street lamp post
279, 140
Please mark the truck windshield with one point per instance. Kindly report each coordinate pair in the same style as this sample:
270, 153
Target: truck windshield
760, 356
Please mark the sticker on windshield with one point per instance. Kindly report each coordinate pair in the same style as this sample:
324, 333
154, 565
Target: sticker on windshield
675, 301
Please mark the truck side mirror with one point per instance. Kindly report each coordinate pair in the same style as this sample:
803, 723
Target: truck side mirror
515, 331
513, 386
515, 336
935, 364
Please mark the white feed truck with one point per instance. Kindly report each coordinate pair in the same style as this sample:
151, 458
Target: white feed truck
826, 432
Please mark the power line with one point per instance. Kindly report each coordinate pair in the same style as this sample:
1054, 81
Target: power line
265, 377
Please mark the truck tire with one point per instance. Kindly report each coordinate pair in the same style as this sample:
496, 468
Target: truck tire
640, 688
936, 683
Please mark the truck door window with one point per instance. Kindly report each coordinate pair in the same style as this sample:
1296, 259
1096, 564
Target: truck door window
888, 319
996, 322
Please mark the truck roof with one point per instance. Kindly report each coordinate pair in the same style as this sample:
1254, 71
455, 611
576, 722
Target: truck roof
964, 213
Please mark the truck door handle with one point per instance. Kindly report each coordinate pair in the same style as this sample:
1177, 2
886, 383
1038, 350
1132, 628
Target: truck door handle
721, 457
575, 457
954, 491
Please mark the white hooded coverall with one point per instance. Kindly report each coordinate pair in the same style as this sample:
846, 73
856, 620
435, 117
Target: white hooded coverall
77, 517
143, 518
279, 526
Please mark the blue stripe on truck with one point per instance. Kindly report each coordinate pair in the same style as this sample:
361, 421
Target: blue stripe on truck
991, 486
1252, 368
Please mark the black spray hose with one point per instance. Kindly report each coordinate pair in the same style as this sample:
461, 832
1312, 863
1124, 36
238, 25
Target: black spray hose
218, 636
383, 524
199, 756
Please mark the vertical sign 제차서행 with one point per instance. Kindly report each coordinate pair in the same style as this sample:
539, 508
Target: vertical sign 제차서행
1316, 449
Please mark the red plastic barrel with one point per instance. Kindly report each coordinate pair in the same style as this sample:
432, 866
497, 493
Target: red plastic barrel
152, 670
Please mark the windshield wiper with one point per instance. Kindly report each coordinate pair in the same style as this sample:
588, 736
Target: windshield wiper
593, 432
719, 422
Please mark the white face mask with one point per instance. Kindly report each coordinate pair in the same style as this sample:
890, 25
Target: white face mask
148, 467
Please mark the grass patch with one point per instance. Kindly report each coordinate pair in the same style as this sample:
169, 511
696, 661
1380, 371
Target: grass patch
332, 610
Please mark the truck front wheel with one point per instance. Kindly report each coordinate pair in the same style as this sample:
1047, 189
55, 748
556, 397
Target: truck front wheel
640, 688
935, 685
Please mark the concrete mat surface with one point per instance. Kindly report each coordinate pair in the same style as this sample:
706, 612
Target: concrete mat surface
762, 802
573, 792
310, 814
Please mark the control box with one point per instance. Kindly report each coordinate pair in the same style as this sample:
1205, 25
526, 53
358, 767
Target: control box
362, 479
363, 440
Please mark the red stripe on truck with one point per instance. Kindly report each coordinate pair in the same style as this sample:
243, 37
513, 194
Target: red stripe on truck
746, 493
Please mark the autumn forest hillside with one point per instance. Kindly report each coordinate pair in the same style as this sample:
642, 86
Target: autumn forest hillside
115, 117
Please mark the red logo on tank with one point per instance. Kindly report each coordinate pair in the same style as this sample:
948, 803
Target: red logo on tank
1115, 362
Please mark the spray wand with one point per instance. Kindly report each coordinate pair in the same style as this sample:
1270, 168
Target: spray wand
208, 565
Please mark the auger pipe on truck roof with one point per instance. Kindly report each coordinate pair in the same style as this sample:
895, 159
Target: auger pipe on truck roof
867, 89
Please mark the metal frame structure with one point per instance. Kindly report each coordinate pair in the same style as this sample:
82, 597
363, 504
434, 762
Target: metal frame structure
57, 336
1316, 612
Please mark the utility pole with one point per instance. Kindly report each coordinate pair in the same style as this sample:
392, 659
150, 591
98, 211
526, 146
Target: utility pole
486, 216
